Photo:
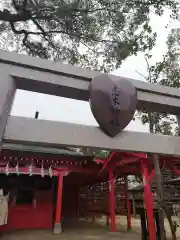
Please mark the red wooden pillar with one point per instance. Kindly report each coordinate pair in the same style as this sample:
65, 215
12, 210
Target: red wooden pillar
107, 209
57, 226
78, 213
111, 202
86, 206
128, 205
148, 200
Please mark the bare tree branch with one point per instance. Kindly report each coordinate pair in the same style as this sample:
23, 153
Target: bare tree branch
6, 16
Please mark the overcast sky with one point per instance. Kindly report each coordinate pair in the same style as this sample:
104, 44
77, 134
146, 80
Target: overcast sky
61, 109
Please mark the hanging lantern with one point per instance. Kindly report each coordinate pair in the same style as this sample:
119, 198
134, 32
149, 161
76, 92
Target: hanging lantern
50, 171
7, 169
30, 170
17, 169
42, 170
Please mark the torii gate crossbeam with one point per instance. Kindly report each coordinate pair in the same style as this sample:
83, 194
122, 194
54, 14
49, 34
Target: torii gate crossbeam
33, 74
44, 76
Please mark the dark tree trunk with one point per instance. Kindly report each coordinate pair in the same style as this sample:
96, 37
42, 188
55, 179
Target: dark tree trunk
160, 194
168, 215
162, 206
159, 184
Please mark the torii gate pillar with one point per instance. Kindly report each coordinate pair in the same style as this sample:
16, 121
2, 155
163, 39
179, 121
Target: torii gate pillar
111, 202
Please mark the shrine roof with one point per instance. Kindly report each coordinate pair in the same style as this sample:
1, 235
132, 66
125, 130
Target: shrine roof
18, 156
38, 149
129, 163
18, 153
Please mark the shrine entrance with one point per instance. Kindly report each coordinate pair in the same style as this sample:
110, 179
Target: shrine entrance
27, 196
70, 199
42, 183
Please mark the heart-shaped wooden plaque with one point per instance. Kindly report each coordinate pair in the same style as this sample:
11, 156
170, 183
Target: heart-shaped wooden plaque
113, 103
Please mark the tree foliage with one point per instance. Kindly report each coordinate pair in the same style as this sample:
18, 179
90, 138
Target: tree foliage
169, 69
166, 73
96, 33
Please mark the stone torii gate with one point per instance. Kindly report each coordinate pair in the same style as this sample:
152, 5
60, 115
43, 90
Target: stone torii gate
33, 74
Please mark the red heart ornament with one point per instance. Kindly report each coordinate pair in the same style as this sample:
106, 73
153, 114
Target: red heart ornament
113, 103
